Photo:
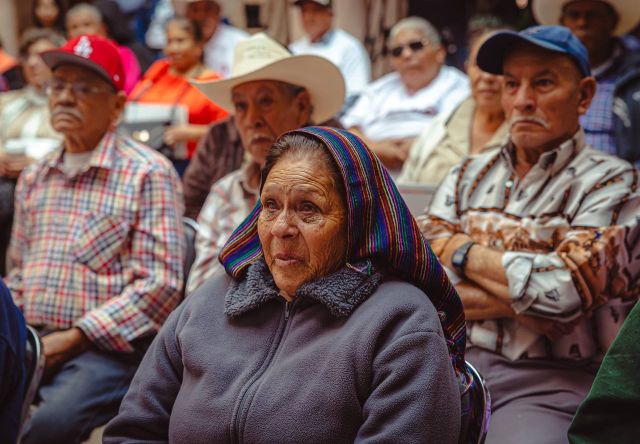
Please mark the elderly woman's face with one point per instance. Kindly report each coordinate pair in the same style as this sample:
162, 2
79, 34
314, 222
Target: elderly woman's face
302, 226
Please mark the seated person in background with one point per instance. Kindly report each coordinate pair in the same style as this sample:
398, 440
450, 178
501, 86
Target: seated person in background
167, 82
361, 352
87, 19
13, 338
477, 125
538, 234
220, 39
49, 14
609, 412
392, 111
118, 28
25, 129
269, 93
343, 49
97, 246
612, 123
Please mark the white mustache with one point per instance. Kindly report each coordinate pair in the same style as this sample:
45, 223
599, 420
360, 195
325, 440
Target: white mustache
67, 110
533, 119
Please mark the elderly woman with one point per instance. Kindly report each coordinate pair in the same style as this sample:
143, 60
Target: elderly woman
477, 124
321, 329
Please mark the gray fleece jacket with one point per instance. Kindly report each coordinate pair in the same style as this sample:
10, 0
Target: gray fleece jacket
350, 359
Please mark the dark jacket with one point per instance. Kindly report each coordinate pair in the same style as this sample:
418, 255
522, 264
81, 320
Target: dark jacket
626, 108
346, 361
13, 339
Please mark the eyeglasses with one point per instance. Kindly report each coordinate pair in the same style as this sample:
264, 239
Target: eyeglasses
414, 46
81, 90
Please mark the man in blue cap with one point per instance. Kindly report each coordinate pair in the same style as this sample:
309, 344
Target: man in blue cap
540, 238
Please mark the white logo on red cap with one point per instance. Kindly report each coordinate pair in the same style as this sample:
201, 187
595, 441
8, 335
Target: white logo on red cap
83, 47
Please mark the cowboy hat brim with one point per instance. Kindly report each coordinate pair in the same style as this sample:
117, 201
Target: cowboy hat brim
321, 78
548, 12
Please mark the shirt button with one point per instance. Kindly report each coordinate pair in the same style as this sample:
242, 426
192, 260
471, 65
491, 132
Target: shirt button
508, 183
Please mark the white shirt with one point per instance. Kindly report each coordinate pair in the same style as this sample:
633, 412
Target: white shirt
386, 110
220, 48
344, 51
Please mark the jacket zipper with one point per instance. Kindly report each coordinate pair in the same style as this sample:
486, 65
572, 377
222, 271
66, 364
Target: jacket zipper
240, 413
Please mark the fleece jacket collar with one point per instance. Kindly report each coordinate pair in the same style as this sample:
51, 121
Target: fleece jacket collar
340, 292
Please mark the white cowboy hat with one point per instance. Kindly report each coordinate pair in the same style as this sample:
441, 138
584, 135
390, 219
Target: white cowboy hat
261, 58
548, 12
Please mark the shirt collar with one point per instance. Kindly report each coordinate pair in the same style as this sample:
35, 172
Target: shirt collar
103, 154
554, 160
249, 168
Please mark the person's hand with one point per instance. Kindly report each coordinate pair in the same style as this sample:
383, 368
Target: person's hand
547, 327
183, 133
11, 165
392, 152
62, 346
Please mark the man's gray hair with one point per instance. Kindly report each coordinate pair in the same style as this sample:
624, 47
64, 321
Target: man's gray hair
85, 7
418, 24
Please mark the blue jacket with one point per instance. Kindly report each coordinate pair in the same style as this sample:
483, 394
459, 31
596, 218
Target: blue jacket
13, 337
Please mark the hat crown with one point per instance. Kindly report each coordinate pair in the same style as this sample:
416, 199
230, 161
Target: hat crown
256, 52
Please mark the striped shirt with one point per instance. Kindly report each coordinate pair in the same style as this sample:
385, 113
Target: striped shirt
568, 230
100, 249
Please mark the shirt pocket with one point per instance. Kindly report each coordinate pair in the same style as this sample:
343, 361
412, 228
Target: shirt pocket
99, 239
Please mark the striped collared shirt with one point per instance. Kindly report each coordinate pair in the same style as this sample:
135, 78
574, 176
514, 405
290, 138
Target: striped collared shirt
569, 232
100, 249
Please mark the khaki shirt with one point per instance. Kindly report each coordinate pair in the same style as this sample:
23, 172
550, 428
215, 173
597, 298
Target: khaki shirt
443, 144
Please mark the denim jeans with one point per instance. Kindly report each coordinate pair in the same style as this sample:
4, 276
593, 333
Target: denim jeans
85, 394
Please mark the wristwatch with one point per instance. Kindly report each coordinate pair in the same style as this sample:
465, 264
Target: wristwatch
460, 256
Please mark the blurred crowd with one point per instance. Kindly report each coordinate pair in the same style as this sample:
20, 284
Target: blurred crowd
448, 116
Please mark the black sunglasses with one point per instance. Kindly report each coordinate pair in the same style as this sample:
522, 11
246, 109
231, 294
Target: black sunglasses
414, 46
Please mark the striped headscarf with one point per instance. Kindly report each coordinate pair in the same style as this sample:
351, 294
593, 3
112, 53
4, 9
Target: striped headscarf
381, 230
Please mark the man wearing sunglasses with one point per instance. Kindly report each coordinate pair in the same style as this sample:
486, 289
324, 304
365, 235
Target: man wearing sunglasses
96, 246
393, 110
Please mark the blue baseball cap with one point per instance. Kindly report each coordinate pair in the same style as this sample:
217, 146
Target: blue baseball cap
493, 51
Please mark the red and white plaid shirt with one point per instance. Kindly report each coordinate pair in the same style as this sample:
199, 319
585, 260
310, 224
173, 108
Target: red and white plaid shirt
101, 249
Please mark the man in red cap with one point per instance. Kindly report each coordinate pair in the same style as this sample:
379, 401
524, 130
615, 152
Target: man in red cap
96, 247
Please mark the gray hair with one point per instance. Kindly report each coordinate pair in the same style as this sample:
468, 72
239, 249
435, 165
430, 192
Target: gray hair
418, 24
85, 7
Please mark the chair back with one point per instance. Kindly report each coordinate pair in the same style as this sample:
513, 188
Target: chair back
34, 367
476, 409
190, 232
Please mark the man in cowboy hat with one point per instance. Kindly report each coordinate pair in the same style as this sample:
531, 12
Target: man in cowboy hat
612, 123
269, 92
96, 246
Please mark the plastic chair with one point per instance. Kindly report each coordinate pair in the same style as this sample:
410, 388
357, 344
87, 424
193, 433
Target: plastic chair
190, 231
476, 409
34, 367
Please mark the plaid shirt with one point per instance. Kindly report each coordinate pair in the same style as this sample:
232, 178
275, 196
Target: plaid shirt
102, 249
569, 231
598, 121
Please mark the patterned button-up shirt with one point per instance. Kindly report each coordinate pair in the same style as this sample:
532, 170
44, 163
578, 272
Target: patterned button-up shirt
574, 200
229, 203
102, 249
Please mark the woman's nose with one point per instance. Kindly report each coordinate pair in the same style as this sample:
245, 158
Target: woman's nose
283, 225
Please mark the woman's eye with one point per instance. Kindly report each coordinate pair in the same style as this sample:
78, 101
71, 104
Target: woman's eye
269, 204
307, 207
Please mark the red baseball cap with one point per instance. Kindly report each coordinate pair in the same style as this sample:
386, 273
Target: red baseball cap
93, 52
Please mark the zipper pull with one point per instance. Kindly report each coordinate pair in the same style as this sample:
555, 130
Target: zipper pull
287, 310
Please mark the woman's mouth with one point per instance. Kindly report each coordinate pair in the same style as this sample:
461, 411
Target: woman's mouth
285, 259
